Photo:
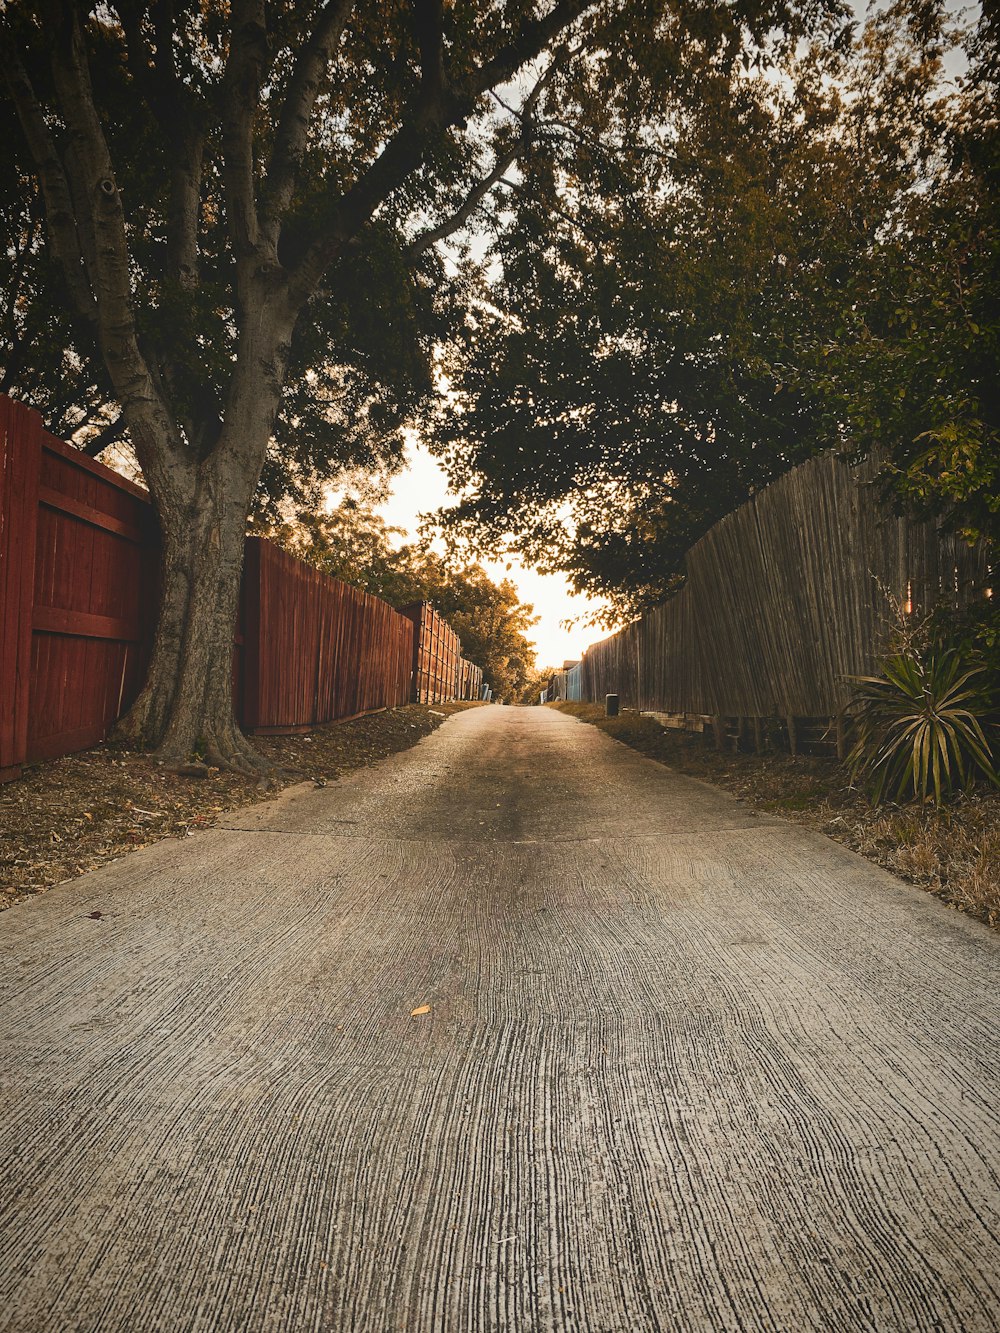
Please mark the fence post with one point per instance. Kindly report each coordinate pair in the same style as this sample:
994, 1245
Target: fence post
757, 746
20, 467
841, 736
793, 740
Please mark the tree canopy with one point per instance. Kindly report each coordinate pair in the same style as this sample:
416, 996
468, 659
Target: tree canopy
47, 356
790, 258
358, 356
360, 353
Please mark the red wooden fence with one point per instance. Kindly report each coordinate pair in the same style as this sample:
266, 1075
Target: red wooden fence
437, 672
19, 447
315, 649
472, 680
78, 560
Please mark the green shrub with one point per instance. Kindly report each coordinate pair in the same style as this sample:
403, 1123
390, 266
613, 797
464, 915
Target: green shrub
973, 629
920, 726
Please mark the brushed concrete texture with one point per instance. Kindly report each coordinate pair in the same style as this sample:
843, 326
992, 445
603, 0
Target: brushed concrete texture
684, 1068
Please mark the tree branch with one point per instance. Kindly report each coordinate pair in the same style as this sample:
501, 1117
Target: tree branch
469, 205
404, 152
428, 24
98, 214
530, 42
172, 104
293, 125
60, 213
482, 188
109, 434
140, 57
245, 70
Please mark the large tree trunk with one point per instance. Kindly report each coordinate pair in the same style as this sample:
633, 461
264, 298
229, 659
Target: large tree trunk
186, 705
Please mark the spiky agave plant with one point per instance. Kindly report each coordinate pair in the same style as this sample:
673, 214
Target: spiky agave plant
920, 731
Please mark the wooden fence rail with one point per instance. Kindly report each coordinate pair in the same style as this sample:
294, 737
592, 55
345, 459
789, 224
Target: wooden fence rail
785, 599
79, 551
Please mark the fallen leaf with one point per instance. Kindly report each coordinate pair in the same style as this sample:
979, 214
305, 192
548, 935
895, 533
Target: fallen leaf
423, 1009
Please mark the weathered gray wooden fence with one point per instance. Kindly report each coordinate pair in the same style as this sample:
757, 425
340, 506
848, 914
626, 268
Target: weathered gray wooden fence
785, 598
566, 685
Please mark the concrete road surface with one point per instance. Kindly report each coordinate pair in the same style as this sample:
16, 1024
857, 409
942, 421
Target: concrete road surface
684, 1068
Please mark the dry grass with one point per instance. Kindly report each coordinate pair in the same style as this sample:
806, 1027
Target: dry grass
954, 852
64, 818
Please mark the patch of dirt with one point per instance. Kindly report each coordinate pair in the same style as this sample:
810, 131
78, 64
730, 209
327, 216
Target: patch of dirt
954, 852
63, 818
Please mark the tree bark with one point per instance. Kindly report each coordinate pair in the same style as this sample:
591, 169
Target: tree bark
187, 702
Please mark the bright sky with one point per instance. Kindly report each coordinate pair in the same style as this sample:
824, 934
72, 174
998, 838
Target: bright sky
422, 488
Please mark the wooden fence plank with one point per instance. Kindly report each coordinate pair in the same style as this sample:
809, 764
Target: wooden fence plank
65, 504
82, 624
20, 464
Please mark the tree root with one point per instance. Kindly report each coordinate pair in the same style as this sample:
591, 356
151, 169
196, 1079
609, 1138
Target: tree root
139, 728
226, 749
